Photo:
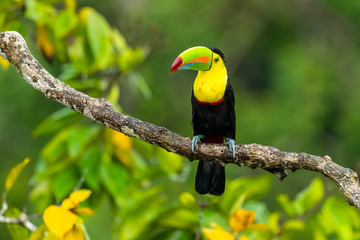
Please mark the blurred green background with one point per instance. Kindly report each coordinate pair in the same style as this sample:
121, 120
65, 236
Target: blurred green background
294, 67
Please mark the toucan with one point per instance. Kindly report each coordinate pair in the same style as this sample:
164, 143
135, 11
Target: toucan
213, 114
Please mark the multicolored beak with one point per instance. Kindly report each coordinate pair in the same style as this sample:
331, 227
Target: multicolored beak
195, 58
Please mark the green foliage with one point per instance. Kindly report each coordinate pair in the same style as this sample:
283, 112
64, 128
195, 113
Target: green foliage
296, 88
304, 200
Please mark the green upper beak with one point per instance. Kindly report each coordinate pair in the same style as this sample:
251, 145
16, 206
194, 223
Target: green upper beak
196, 58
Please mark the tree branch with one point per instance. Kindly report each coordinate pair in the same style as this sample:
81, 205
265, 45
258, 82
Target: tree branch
13, 48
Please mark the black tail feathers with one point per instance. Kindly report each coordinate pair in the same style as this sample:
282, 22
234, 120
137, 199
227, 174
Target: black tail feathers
210, 178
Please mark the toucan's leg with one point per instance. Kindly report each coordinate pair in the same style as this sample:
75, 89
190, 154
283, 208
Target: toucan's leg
196, 139
231, 143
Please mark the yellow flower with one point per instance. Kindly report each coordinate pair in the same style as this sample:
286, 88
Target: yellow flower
243, 220
61, 221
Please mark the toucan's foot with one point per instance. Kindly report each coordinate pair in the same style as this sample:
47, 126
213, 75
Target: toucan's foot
196, 139
231, 143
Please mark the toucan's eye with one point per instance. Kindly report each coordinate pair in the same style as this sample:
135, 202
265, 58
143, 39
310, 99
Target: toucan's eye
216, 59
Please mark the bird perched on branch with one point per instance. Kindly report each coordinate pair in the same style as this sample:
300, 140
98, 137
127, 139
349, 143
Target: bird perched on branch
213, 114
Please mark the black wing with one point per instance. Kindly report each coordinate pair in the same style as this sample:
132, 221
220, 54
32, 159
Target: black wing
230, 103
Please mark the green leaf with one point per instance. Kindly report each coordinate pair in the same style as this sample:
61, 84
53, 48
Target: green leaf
130, 57
294, 225
309, 197
65, 22
137, 80
80, 59
115, 178
79, 137
304, 201
39, 233
55, 147
98, 36
16, 231
188, 200
255, 188
41, 195
90, 163
286, 204
118, 40
65, 182
57, 120
169, 162
180, 219
341, 218
39, 11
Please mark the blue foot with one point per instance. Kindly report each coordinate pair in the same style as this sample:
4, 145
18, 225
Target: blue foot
196, 139
231, 143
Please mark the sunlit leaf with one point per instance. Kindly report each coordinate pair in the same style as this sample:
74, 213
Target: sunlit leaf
39, 233
118, 40
80, 60
294, 224
56, 147
4, 63
70, 5
169, 162
188, 200
59, 220
241, 220
98, 35
14, 173
44, 42
114, 96
180, 219
341, 218
274, 222
16, 231
41, 195
65, 22
306, 199
286, 204
238, 203
39, 11
213, 234
129, 58
254, 188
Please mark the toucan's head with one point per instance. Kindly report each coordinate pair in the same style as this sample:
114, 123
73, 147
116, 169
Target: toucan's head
198, 58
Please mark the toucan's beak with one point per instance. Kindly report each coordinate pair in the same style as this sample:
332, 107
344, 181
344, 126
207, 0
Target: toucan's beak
196, 58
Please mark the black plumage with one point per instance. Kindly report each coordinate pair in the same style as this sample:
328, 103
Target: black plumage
216, 122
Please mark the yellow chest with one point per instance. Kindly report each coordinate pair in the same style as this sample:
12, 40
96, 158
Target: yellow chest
209, 86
